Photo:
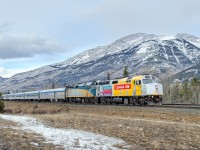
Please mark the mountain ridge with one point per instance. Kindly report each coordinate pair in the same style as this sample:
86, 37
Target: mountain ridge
142, 53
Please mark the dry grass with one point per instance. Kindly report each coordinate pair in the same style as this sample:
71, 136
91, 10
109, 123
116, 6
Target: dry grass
119, 112
121, 122
33, 108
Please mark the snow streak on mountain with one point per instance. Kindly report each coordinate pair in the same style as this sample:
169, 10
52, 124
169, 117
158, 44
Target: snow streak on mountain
142, 53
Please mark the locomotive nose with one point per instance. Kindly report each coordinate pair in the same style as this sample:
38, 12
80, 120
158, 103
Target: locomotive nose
154, 89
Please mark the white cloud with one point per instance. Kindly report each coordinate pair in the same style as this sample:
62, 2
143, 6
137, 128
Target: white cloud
124, 17
7, 73
26, 46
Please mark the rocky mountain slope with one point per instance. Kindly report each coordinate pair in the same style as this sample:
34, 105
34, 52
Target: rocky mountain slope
2, 79
141, 53
188, 74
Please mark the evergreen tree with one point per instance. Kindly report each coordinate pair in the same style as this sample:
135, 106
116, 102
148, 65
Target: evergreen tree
125, 73
53, 85
175, 93
195, 87
195, 82
186, 92
108, 76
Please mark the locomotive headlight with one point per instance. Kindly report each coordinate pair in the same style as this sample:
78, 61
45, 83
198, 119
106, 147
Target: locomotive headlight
156, 87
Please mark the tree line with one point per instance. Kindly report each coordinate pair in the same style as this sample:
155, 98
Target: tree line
184, 93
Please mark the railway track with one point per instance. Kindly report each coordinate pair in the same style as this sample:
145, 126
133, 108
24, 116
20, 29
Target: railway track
185, 106
182, 106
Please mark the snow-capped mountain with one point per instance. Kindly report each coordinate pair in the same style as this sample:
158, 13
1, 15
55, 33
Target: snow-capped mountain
141, 53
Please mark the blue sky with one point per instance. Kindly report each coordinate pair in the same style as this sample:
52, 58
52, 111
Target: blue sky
34, 33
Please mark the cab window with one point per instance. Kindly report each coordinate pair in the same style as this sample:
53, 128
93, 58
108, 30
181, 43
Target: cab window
146, 81
138, 82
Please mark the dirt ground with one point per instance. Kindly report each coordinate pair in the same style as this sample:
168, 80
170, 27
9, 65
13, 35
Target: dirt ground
142, 127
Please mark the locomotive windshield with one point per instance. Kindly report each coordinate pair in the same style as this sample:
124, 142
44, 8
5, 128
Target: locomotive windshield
146, 81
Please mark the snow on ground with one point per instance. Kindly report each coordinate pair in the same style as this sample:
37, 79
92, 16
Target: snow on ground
68, 138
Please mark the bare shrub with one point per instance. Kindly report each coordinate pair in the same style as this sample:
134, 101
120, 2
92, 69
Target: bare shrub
35, 106
9, 111
18, 111
2, 106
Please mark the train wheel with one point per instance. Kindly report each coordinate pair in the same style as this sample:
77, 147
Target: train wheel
103, 101
132, 101
87, 101
94, 101
141, 101
145, 103
111, 102
70, 100
108, 100
82, 100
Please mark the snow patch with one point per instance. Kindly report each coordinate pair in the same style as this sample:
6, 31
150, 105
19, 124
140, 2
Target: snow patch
169, 37
142, 50
68, 138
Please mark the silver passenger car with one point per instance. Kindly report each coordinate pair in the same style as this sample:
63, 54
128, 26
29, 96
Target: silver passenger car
19, 96
32, 95
53, 94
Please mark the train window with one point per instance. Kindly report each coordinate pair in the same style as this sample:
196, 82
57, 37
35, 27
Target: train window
147, 77
114, 82
88, 83
107, 82
70, 86
138, 82
94, 83
129, 80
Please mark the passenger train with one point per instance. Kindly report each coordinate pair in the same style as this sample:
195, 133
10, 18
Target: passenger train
140, 90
